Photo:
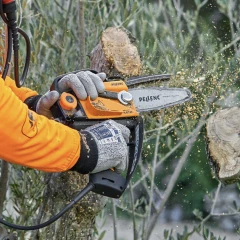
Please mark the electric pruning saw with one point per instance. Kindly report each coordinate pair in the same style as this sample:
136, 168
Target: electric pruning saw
124, 105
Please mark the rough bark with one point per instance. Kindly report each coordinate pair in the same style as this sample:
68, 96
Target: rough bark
115, 54
223, 136
80, 221
3, 184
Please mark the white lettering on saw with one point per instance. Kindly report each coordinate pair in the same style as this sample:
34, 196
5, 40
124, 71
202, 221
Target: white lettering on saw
153, 98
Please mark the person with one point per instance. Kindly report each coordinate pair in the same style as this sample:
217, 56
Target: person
30, 137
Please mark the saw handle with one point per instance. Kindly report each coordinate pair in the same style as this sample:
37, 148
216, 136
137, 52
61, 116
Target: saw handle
116, 90
111, 92
105, 94
54, 85
112, 184
108, 183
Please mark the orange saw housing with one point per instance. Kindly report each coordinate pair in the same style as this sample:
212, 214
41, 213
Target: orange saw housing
114, 103
103, 108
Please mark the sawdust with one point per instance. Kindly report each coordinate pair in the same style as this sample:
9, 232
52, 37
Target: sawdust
84, 141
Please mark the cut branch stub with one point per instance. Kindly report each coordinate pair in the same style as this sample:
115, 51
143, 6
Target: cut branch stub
223, 135
116, 54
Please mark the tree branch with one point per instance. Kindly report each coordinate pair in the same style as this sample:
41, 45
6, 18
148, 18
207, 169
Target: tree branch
3, 184
82, 59
174, 178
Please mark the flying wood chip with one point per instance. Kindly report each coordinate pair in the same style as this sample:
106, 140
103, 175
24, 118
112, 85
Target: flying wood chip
223, 135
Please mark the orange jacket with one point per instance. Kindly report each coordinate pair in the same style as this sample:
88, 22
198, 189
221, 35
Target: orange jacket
32, 140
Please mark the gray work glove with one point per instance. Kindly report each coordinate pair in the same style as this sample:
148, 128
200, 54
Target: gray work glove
103, 146
83, 83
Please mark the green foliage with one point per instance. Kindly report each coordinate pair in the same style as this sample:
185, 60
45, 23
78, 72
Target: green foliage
187, 235
196, 175
172, 39
98, 232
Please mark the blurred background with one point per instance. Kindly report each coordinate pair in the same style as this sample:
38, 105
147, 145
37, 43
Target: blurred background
197, 42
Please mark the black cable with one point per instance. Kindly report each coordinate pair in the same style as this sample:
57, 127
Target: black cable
9, 50
13, 42
79, 196
2, 13
20, 82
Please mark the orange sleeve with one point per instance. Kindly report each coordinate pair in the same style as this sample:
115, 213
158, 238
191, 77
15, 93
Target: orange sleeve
32, 140
22, 93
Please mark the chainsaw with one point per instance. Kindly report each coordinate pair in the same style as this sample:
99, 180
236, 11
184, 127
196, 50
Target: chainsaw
124, 105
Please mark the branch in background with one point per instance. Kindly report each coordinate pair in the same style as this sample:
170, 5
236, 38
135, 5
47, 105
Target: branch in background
163, 159
213, 205
230, 14
174, 178
181, 163
3, 184
228, 45
153, 171
212, 98
82, 59
163, 127
114, 219
133, 213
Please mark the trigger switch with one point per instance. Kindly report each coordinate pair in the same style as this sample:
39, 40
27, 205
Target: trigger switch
68, 101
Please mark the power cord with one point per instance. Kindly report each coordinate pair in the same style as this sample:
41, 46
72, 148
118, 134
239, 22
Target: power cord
8, 14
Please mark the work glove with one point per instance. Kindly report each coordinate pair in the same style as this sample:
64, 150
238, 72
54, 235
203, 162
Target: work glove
83, 84
103, 146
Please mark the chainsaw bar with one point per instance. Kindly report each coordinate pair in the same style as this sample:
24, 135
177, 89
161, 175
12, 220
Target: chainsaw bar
148, 99
147, 78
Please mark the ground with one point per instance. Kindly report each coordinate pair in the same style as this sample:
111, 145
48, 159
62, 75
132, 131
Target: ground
125, 231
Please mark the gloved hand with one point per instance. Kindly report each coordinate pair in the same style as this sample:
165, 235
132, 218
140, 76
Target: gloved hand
83, 83
103, 146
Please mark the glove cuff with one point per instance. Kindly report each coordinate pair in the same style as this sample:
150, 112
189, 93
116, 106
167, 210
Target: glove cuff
88, 154
32, 102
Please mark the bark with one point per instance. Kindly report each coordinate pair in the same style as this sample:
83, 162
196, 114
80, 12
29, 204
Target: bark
77, 223
223, 136
3, 191
82, 59
3, 184
115, 53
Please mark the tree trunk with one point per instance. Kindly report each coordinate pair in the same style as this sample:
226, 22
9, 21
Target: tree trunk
77, 223
115, 54
223, 135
